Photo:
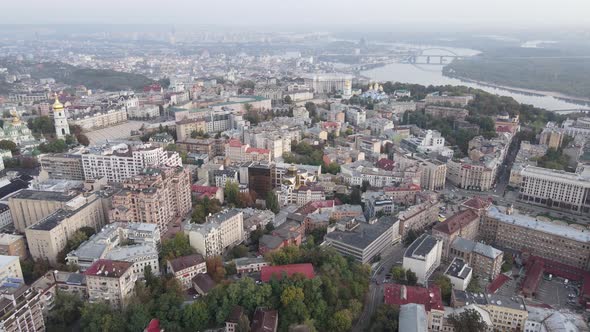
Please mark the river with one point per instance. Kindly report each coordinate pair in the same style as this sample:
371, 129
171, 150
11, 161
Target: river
432, 75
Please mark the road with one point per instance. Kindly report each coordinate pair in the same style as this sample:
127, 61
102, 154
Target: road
375, 294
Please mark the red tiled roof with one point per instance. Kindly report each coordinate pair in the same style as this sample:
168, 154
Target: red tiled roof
315, 205
329, 124
430, 297
497, 283
153, 326
257, 150
108, 268
386, 164
277, 271
503, 129
235, 143
478, 202
457, 221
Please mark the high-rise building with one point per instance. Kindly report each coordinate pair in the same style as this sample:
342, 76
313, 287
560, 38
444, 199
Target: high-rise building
121, 161
20, 309
63, 166
218, 233
155, 196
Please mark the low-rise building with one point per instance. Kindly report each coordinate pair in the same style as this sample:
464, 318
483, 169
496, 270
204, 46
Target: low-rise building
110, 281
248, 265
459, 273
265, 320
10, 270
413, 318
423, 256
398, 295
185, 268
485, 260
507, 313
363, 241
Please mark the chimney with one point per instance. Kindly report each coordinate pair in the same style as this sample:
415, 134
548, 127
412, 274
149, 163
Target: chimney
404, 293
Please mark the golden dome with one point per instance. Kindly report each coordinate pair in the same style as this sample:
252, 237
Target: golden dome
57, 105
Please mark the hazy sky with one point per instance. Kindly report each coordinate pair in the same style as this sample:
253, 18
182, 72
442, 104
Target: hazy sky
298, 12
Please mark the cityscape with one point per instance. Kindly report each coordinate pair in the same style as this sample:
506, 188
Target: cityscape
323, 176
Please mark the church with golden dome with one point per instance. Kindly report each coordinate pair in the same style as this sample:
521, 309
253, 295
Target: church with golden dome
60, 119
17, 131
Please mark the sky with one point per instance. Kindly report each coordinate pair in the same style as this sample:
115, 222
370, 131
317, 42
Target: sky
299, 12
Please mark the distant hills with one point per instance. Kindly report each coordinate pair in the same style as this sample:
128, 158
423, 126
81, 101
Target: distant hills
103, 79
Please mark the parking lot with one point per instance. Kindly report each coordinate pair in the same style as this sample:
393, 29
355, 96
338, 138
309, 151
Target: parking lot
556, 294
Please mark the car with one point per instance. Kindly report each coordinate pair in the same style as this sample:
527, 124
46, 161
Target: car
196, 296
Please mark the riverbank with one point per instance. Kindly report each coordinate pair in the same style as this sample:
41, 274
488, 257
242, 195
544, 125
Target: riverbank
531, 92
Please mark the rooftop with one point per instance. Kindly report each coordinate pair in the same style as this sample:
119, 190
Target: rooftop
264, 320
421, 247
204, 282
363, 235
7, 239
458, 269
457, 222
412, 318
51, 221
466, 245
396, 294
108, 268
517, 219
5, 260
185, 262
45, 195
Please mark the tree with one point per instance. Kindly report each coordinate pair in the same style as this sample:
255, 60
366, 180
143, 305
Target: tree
83, 139
272, 202
177, 246
411, 236
231, 192
398, 274
195, 316
468, 321
446, 287
287, 99
341, 321
8, 145
239, 251
385, 319
365, 186
215, 268
508, 262
411, 278
474, 286
203, 208
100, 317
66, 311
33, 269
56, 146
43, 125
243, 324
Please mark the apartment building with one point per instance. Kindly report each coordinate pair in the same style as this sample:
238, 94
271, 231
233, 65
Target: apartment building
467, 174
507, 313
10, 270
27, 206
62, 166
50, 235
20, 309
327, 83
510, 229
186, 268
434, 174
110, 281
186, 127
363, 241
418, 217
236, 152
485, 260
556, 189
121, 161
423, 256
5, 216
142, 241
404, 195
13, 245
462, 224
100, 119
218, 233
551, 136
155, 196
